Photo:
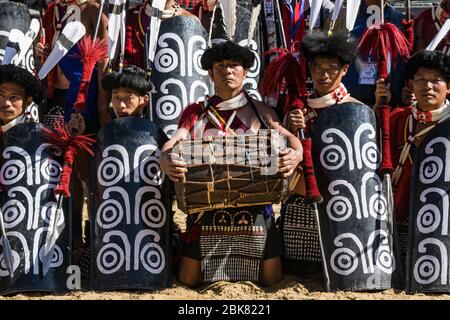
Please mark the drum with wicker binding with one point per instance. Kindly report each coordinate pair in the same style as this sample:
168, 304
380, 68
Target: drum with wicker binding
231, 171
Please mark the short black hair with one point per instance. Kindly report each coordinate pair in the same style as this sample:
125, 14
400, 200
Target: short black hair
23, 78
227, 50
433, 60
339, 45
131, 77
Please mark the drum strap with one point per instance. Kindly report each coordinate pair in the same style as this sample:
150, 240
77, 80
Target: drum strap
252, 104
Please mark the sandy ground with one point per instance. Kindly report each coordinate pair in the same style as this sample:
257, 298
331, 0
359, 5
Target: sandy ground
290, 288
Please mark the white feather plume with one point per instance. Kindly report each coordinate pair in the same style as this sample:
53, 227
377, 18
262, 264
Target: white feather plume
212, 24
351, 13
155, 23
253, 21
316, 7
229, 17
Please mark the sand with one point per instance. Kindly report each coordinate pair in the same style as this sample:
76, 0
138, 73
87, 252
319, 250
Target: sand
290, 288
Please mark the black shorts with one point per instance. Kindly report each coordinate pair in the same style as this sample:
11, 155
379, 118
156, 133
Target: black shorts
273, 247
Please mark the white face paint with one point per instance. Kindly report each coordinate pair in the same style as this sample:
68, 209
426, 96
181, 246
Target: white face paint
375, 15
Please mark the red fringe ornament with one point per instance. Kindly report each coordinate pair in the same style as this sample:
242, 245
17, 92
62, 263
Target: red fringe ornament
312, 190
284, 66
70, 145
91, 52
386, 163
409, 33
379, 41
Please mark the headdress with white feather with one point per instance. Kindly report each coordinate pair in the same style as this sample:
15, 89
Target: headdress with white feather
229, 17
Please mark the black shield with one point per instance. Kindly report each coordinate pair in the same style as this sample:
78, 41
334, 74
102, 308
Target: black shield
177, 74
29, 173
131, 239
15, 15
428, 234
354, 220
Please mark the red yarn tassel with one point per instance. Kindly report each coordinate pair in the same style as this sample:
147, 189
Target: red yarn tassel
312, 191
377, 42
409, 33
386, 163
70, 146
91, 52
64, 181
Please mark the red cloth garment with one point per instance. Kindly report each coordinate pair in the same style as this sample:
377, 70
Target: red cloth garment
194, 112
399, 133
137, 22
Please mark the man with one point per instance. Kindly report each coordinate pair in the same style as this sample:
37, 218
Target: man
62, 93
129, 95
343, 213
24, 146
428, 24
227, 64
137, 25
148, 192
330, 58
428, 74
18, 89
361, 76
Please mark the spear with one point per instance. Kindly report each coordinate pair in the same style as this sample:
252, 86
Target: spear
99, 17
408, 24
7, 252
155, 22
385, 41
70, 145
336, 10
115, 26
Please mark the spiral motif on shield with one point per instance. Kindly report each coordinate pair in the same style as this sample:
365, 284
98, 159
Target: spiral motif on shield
344, 261
48, 209
34, 112
110, 258
150, 171
384, 259
12, 171
196, 60
378, 206
16, 261
370, 155
28, 61
427, 269
254, 94
428, 218
168, 107
13, 213
110, 171
51, 170
339, 208
109, 214
152, 258
170, 130
153, 213
332, 157
57, 256
430, 169
166, 60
